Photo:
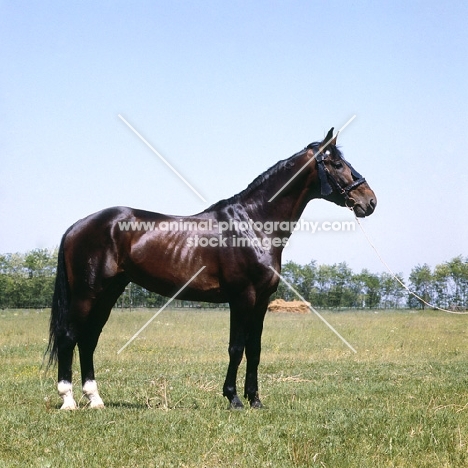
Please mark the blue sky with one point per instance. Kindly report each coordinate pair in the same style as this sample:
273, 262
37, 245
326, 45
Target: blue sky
223, 90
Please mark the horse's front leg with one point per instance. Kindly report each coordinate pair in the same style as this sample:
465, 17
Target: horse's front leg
242, 307
236, 351
252, 354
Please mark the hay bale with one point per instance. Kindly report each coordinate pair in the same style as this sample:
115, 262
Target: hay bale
293, 307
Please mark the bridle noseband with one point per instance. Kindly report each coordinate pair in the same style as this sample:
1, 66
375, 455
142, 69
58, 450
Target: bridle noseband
328, 183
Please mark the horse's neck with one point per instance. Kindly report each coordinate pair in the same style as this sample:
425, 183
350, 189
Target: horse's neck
276, 203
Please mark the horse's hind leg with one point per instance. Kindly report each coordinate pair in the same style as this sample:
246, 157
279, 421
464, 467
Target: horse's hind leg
66, 345
89, 336
87, 345
66, 342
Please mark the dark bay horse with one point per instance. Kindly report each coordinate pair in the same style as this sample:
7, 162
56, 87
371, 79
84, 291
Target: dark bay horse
237, 241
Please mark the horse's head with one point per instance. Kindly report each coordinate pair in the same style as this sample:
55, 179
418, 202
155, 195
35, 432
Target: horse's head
339, 181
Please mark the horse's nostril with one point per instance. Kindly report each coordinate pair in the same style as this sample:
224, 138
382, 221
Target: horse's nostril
372, 203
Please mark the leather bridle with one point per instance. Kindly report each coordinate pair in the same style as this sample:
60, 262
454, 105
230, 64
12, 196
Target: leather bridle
328, 182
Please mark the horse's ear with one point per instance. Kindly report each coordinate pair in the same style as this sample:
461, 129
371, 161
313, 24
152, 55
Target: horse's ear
334, 139
329, 140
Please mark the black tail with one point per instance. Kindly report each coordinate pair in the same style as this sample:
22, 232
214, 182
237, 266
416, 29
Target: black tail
60, 306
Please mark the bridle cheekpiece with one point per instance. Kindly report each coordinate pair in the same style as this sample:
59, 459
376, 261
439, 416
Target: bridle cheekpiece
328, 182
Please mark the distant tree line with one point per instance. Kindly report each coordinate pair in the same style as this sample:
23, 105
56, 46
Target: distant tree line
27, 281
337, 286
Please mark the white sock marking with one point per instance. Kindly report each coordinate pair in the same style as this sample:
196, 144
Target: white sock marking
91, 392
65, 390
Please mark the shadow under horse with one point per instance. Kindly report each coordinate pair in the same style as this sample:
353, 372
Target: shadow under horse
99, 255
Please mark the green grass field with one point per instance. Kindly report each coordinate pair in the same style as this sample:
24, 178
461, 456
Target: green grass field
401, 401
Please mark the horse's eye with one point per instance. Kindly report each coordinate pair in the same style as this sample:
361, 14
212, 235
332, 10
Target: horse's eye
337, 165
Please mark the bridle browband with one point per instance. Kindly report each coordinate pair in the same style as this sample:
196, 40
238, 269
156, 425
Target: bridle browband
328, 183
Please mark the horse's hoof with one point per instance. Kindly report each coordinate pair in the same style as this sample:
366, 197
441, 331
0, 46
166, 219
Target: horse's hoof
256, 404
69, 406
96, 404
236, 404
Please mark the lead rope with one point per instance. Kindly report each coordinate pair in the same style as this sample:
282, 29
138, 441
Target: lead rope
401, 282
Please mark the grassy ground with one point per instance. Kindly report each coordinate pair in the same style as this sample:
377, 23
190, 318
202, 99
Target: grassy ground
401, 401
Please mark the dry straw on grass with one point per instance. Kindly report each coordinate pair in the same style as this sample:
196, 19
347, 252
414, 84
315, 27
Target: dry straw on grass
295, 307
